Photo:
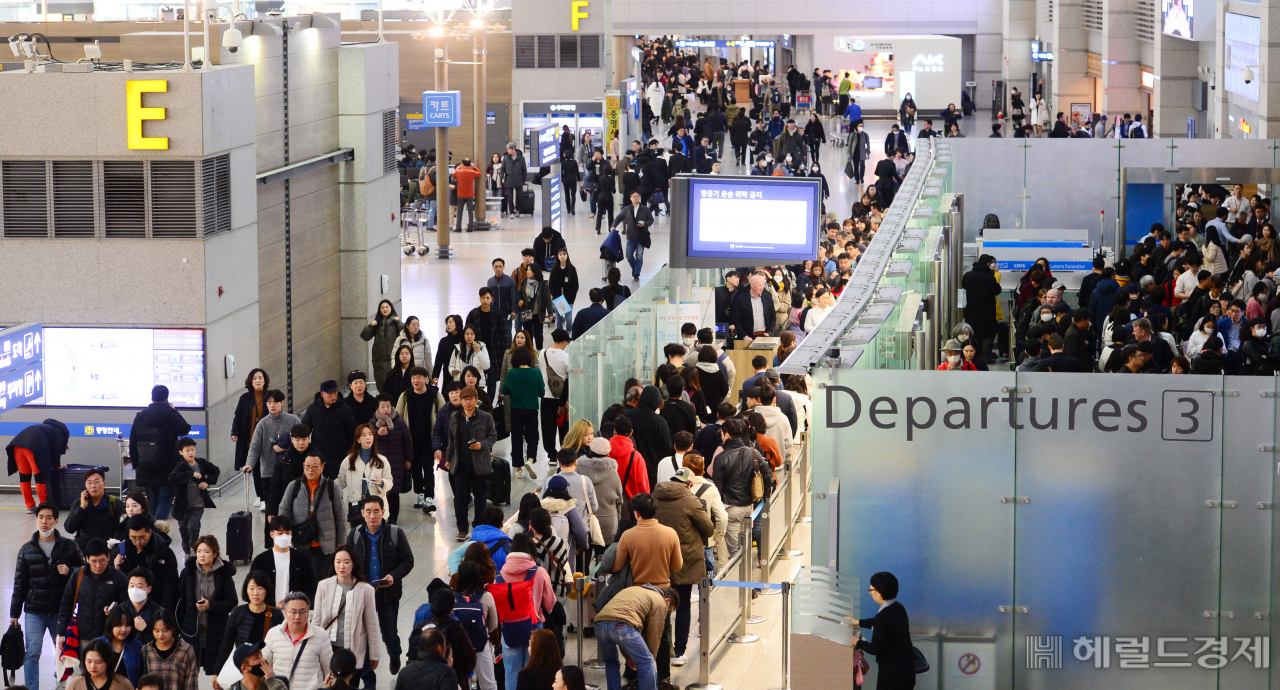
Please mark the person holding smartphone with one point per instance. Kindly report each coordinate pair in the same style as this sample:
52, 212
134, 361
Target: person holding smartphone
208, 594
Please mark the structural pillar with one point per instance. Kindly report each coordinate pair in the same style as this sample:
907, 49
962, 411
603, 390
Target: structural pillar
479, 120
1269, 76
1121, 61
1019, 30
1177, 84
444, 224
1070, 58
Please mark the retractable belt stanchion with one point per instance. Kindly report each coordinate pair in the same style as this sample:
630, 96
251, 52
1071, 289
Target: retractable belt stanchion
704, 637
787, 551
786, 637
741, 636
580, 585
761, 557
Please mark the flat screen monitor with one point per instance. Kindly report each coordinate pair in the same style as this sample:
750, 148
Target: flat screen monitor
1177, 18
774, 219
117, 367
873, 82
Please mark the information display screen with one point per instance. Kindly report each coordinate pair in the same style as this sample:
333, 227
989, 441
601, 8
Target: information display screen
117, 367
770, 218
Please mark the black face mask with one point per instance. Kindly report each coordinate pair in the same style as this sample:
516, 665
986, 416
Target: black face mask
257, 671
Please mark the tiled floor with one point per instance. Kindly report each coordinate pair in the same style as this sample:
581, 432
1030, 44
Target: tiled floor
434, 288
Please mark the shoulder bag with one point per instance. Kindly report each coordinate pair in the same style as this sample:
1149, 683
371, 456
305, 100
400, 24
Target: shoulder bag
593, 523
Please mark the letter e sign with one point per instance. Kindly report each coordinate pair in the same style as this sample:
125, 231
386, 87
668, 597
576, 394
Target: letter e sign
136, 113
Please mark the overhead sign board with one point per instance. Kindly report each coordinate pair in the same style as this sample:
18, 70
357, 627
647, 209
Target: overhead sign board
21, 346
415, 122
21, 386
548, 145
737, 43
442, 108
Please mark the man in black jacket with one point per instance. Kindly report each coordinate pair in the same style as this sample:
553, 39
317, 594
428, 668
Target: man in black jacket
39, 584
761, 142
492, 329
431, 671
289, 466
298, 577
752, 313
658, 173
387, 572
897, 139
981, 288
96, 515
145, 551
95, 587
732, 472
153, 446
724, 297
332, 427
1078, 341
652, 435
545, 247
590, 316
1057, 361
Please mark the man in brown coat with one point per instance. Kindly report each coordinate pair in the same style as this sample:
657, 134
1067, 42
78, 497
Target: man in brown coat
683, 512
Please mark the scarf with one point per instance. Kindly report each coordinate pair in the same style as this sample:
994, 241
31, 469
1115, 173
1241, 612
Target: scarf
259, 408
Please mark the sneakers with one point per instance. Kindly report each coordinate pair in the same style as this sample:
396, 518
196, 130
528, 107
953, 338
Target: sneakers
31, 510
462, 536
680, 660
532, 473
520, 471
421, 499
429, 505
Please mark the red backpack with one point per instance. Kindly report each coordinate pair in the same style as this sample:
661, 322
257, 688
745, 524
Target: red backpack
517, 610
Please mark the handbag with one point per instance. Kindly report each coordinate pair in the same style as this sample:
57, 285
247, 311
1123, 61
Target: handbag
596, 535
860, 668
921, 663
848, 169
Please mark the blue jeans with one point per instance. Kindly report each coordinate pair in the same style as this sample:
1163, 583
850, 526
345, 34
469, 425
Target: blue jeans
635, 257
431, 212
161, 500
611, 636
36, 626
566, 321
513, 660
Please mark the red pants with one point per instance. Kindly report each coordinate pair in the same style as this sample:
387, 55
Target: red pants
28, 470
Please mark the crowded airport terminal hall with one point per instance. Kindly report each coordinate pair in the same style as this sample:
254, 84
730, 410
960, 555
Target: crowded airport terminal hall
635, 345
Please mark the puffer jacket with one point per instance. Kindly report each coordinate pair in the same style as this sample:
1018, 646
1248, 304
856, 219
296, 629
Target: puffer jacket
421, 347
603, 473
279, 651
47, 441
777, 427
680, 510
568, 524
332, 429
733, 470
382, 336
288, 468
429, 672
158, 557
397, 446
330, 511
172, 426
224, 599
621, 449
97, 592
36, 582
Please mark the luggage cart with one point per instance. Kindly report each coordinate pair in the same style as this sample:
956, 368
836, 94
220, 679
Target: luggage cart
411, 218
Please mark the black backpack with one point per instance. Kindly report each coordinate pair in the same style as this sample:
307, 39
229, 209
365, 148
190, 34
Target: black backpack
149, 440
12, 653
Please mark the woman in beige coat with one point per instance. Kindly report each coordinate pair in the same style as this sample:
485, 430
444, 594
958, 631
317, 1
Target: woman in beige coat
345, 609
364, 472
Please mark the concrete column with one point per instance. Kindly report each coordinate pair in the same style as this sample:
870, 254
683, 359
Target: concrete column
1121, 60
1269, 76
1019, 29
369, 247
1177, 80
1070, 45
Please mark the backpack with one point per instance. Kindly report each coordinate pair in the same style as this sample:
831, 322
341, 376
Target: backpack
498, 546
149, 440
470, 613
427, 184
517, 611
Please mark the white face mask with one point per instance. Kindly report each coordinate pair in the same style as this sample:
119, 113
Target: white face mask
1259, 332
1046, 317
954, 359
788, 158
137, 595
283, 541
964, 337
1208, 331
46, 534
688, 342
768, 159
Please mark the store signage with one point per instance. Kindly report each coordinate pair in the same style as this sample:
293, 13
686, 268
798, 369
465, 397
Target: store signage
927, 63
548, 145
563, 107
578, 11
415, 122
136, 113
93, 429
442, 108
1038, 55
1148, 79
613, 119
740, 43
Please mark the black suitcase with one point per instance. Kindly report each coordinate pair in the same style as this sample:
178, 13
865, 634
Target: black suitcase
240, 531
68, 483
524, 203
499, 490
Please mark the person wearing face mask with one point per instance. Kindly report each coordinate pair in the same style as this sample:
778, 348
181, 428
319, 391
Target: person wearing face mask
816, 171
1256, 357
141, 610
953, 360
761, 140
790, 142
1192, 346
248, 623
286, 568
43, 571
982, 288
762, 166
859, 151
255, 672
154, 555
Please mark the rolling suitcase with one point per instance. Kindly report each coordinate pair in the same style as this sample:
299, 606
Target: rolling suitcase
240, 531
524, 203
68, 483
499, 489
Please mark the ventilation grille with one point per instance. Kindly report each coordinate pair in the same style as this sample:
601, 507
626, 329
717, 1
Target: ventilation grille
568, 51
215, 194
526, 52
173, 199
1091, 15
546, 52
1048, 11
589, 51
124, 199
26, 198
388, 141
1145, 21
74, 209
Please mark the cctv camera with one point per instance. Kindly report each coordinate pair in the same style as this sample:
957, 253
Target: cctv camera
232, 40
1248, 75
13, 45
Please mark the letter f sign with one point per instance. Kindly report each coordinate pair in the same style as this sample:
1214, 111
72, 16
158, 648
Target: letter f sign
577, 12
137, 113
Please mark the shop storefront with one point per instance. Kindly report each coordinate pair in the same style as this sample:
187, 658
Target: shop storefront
580, 117
886, 68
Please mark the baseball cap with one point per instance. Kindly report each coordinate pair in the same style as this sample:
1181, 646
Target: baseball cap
329, 386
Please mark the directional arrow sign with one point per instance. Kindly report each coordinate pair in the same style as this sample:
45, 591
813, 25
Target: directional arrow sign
21, 346
21, 386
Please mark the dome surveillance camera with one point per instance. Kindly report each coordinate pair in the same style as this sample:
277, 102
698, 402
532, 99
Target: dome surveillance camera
1248, 75
232, 40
